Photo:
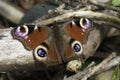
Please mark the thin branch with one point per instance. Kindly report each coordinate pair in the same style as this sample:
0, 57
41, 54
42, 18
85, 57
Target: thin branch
106, 64
94, 2
89, 14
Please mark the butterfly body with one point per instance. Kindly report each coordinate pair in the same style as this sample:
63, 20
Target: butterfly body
53, 45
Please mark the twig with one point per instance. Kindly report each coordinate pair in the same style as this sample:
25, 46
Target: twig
60, 9
94, 2
112, 63
104, 65
78, 13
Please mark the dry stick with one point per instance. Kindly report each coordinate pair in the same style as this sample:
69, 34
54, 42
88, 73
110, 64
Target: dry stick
104, 65
112, 63
78, 13
99, 67
60, 9
94, 2
12, 13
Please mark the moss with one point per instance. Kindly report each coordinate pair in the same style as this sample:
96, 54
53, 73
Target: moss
116, 2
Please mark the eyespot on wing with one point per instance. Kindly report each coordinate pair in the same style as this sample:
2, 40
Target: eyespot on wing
78, 29
30, 35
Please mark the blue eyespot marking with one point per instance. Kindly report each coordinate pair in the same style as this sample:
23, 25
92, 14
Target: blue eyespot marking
41, 52
77, 47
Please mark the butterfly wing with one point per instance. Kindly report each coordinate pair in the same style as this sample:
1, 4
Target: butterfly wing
30, 35
40, 40
74, 35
